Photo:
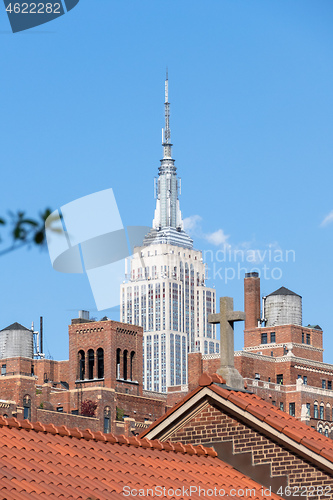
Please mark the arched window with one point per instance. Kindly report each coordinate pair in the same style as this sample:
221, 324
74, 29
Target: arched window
328, 412
118, 364
107, 417
125, 364
315, 410
100, 363
321, 414
132, 364
91, 360
27, 407
82, 365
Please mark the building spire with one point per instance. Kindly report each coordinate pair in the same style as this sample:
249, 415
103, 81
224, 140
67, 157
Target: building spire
166, 136
167, 223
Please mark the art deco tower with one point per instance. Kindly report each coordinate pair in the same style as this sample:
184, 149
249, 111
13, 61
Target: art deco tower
165, 292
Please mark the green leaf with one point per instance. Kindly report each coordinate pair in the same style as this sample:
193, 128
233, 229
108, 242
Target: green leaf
39, 237
29, 221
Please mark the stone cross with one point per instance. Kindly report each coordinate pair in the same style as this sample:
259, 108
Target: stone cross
226, 318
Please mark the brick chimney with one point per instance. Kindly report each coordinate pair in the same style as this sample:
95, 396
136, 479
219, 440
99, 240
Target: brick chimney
252, 300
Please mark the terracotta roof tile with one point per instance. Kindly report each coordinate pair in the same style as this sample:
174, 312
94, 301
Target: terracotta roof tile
44, 461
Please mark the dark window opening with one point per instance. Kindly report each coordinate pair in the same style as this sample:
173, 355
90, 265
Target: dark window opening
3, 369
264, 338
308, 339
32, 370
272, 337
118, 364
303, 338
132, 363
27, 407
100, 363
329, 384
91, 361
305, 380
107, 416
323, 384
321, 414
279, 379
281, 406
60, 409
82, 365
315, 410
125, 364
257, 376
292, 409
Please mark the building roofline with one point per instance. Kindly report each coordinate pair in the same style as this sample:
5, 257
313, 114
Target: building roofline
109, 438
250, 408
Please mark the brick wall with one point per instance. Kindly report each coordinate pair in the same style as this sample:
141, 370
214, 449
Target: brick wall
141, 408
252, 300
212, 426
58, 418
55, 371
109, 336
285, 334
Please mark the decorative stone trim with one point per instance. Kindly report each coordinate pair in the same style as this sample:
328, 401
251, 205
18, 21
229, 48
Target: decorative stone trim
90, 330
293, 344
211, 356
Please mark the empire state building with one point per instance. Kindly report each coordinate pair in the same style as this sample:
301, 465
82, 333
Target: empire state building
165, 292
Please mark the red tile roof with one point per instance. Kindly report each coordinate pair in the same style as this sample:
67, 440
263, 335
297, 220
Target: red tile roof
43, 461
267, 413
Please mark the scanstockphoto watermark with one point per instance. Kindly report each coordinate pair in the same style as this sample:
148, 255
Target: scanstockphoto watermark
227, 264
188, 491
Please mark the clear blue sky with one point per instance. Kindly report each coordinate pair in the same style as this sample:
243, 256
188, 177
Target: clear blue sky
251, 92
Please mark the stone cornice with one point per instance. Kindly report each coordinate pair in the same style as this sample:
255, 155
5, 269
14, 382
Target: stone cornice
274, 345
300, 363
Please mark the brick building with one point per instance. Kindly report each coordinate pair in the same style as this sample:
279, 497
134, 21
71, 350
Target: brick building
253, 436
282, 361
104, 366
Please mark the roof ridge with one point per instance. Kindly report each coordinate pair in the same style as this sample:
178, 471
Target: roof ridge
87, 434
295, 429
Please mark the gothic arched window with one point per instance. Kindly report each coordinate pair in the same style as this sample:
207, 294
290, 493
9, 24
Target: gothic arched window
107, 419
132, 364
82, 366
125, 364
27, 407
118, 364
91, 361
100, 363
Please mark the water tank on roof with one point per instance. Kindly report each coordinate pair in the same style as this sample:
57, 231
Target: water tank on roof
283, 307
16, 340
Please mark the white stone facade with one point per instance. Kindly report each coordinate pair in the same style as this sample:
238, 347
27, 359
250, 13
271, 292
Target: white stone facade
167, 296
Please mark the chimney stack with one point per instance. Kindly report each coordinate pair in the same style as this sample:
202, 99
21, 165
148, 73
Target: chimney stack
252, 300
